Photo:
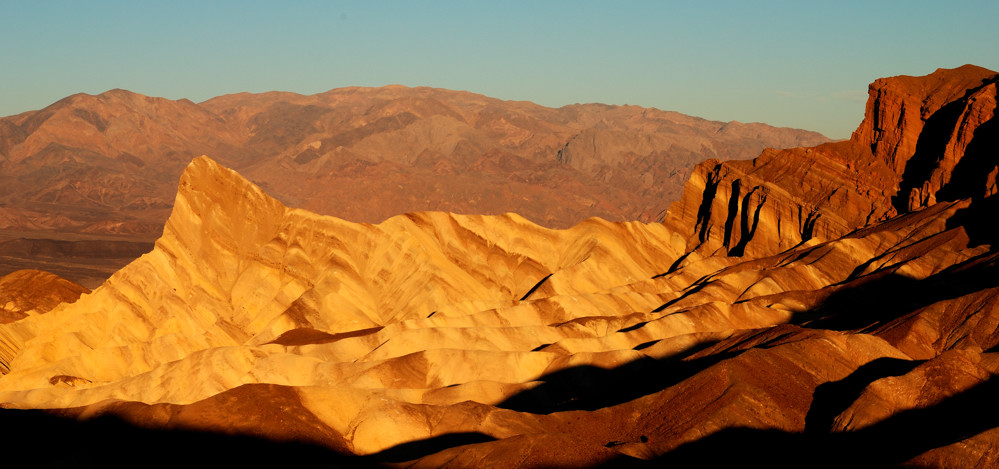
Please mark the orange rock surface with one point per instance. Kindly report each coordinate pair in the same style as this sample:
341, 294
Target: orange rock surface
27, 292
768, 320
923, 140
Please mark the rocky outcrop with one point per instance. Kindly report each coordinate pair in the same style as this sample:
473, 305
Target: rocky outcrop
781, 199
464, 339
923, 128
800, 316
900, 108
923, 140
966, 167
28, 292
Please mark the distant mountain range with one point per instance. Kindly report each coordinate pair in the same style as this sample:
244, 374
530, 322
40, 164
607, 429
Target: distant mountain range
108, 164
828, 306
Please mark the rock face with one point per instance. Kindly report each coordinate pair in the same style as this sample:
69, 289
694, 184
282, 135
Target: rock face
923, 140
782, 198
901, 108
434, 339
922, 127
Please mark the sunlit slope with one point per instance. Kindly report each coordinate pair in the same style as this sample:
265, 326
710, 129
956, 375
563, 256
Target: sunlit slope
236, 268
791, 306
426, 311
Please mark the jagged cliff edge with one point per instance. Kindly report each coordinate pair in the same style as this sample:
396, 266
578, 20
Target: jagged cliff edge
922, 140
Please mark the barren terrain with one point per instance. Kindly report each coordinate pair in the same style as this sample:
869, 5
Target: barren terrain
106, 166
835, 305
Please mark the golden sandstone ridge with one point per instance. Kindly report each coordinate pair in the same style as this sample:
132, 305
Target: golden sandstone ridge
788, 312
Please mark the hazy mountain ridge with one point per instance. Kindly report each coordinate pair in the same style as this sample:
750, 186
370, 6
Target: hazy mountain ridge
106, 165
787, 311
119, 154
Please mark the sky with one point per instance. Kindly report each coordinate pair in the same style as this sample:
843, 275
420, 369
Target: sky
802, 64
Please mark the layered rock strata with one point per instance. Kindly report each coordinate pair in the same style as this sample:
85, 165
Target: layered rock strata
441, 340
923, 140
524, 338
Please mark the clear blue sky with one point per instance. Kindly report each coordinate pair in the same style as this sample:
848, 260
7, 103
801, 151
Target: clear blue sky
791, 63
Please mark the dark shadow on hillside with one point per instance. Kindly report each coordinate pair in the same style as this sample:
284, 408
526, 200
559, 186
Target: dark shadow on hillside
748, 231
589, 387
865, 303
979, 221
832, 398
704, 210
308, 336
969, 178
888, 443
417, 449
535, 287
929, 149
877, 298
37, 439
871, 302
862, 305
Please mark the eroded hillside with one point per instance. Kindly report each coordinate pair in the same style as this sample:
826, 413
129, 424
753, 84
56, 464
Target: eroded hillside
108, 163
104, 167
789, 311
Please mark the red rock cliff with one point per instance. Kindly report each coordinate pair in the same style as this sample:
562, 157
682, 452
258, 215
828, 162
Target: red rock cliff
923, 139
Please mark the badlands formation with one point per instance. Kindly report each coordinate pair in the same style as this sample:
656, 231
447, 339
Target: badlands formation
827, 306
91, 172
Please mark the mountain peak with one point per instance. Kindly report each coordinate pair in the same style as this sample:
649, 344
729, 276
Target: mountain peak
790, 306
206, 179
215, 202
900, 107
923, 126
